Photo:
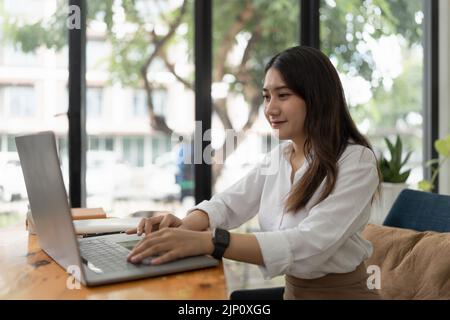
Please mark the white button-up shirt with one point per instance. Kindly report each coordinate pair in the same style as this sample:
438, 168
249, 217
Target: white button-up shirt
317, 239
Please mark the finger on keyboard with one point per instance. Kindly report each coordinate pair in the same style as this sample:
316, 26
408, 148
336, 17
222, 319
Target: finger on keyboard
147, 261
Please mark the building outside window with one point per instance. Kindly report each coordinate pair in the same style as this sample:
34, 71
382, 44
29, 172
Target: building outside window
32, 79
139, 154
133, 151
19, 101
140, 104
94, 102
159, 97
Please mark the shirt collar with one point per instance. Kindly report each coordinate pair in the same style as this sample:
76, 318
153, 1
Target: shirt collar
288, 149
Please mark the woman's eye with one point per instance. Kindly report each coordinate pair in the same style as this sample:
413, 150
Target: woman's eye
283, 95
266, 98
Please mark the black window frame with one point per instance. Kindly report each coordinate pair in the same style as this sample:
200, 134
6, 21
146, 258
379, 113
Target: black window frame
430, 85
77, 138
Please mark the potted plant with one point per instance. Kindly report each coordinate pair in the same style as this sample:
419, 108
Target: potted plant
442, 147
393, 178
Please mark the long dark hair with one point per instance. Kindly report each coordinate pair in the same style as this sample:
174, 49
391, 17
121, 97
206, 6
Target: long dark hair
328, 124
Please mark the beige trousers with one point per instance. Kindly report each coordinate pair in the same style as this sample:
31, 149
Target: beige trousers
333, 286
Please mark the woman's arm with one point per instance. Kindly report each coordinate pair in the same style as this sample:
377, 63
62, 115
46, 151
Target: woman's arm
175, 243
243, 247
197, 220
239, 202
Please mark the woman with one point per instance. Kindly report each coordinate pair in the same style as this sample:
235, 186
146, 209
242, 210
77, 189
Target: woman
311, 209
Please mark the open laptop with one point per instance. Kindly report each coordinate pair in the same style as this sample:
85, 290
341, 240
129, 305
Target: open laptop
100, 260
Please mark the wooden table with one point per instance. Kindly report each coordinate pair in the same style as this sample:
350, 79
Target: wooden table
27, 272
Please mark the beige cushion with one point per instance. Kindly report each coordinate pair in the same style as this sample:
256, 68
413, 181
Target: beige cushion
414, 265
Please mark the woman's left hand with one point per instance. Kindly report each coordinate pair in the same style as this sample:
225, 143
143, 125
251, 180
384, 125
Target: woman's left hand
171, 244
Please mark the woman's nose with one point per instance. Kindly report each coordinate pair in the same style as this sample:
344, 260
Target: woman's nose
272, 109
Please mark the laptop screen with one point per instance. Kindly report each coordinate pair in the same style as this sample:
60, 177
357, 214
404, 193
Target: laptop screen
48, 197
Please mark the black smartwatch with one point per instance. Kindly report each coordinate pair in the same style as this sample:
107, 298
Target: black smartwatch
221, 241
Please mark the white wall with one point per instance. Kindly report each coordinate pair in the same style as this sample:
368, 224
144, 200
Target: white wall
444, 86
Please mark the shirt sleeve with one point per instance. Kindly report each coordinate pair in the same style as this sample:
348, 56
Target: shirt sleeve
328, 224
238, 203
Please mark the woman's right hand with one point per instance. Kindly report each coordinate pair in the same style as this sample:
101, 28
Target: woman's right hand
149, 225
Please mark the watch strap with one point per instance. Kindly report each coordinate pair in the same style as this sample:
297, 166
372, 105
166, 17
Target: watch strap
221, 241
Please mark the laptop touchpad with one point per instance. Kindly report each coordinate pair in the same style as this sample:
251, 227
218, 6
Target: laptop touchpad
129, 245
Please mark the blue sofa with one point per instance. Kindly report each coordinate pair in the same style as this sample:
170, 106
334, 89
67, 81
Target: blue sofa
420, 211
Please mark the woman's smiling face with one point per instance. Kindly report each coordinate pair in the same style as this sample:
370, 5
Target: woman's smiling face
284, 109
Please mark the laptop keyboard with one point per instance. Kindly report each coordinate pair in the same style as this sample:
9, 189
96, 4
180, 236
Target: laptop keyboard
105, 255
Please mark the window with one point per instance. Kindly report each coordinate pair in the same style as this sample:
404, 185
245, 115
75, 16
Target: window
20, 101
109, 144
94, 102
383, 86
62, 145
160, 102
117, 50
11, 144
101, 143
133, 151
140, 103
94, 143
28, 96
245, 36
159, 99
160, 145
